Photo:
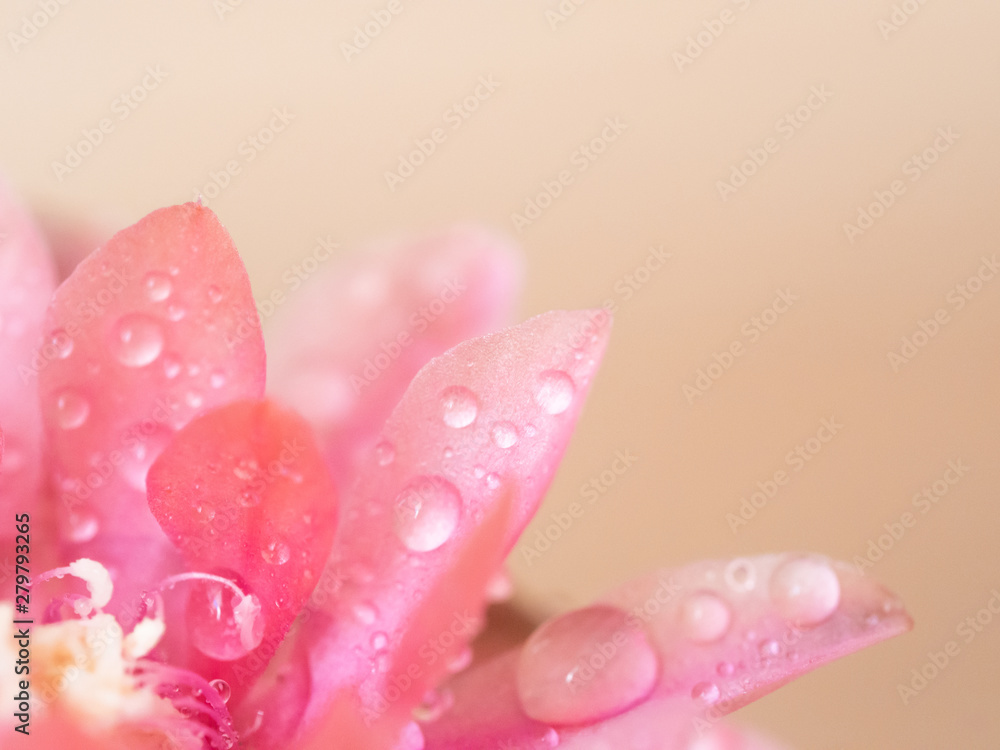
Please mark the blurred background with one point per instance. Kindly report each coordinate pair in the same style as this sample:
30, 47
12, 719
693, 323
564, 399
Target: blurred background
793, 208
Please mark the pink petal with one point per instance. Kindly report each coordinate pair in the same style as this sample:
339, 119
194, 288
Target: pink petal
163, 327
344, 347
489, 419
723, 633
723, 737
244, 493
27, 279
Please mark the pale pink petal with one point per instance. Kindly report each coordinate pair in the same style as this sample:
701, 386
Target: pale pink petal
27, 279
719, 634
488, 420
161, 327
343, 348
725, 737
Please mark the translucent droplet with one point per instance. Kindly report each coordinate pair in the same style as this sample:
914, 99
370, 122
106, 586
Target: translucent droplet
193, 399
769, 648
215, 294
427, 513
171, 366
137, 340
379, 641
459, 406
176, 312
724, 669
61, 343
555, 391
566, 676
504, 435
385, 454
82, 526
706, 692
740, 575
276, 552
72, 409
411, 737
805, 590
158, 286
705, 617
217, 379
365, 613
222, 624
222, 688
492, 481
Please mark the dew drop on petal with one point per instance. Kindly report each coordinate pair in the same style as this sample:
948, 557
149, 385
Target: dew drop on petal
222, 688
171, 366
705, 617
769, 648
365, 613
61, 344
82, 526
379, 641
411, 737
555, 391
158, 286
137, 340
459, 406
557, 682
724, 669
385, 454
427, 512
215, 294
217, 379
740, 575
706, 693
504, 435
222, 624
72, 409
805, 590
276, 552
176, 312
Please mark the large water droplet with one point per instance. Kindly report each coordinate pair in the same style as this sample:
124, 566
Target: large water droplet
137, 340
459, 406
158, 286
427, 512
276, 552
61, 344
72, 409
222, 688
805, 590
705, 617
504, 435
706, 692
555, 391
584, 666
222, 624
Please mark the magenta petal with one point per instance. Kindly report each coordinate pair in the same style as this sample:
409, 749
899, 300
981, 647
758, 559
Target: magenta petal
27, 278
488, 420
725, 633
343, 348
162, 327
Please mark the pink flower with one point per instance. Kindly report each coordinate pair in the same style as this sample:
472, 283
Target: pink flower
285, 571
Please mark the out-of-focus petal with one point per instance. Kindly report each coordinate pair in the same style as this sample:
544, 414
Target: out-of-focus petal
724, 737
488, 420
27, 279
159, 326
244, 493
343, 348
721, 633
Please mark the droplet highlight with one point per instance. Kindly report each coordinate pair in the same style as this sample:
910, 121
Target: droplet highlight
705, 617
504, 435
459, 406
555, 391
427, 513
806, 590
276, 552
71, 409
223, 624
158, 286
137, 340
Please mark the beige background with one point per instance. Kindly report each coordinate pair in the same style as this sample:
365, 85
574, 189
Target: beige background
655, 185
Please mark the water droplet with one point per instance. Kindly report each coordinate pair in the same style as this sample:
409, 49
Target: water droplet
82, 526
158, 286
411, 737
171, 366
427, 512
72, 409
276, 552
448, 452
492, 481
217, 379
724, 669
379, 641
137, 340
193, 399
706, 692
222, 688
222, 624
740, 575
459, 406
365, 613
460, 660
215, 294
504, 434
805, 590
530, 430
385, 454
176, 312
555, 391
769, 648
564, 677
61, 343
705, 617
